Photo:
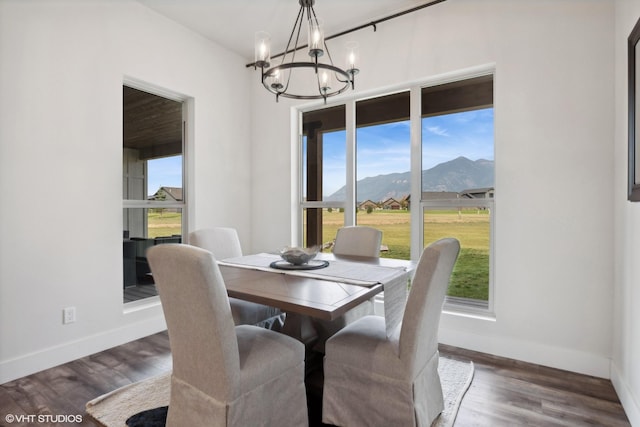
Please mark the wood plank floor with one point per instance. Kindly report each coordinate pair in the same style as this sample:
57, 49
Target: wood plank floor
503, 393
506, 392
134, 293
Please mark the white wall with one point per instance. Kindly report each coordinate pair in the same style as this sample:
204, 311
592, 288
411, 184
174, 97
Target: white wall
63, 65
625, 370
554, 80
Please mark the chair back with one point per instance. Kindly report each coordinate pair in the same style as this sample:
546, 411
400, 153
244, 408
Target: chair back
358, 241
222, 242
419, 331
198, 315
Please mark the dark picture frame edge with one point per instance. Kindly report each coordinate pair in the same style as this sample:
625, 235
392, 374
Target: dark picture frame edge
634, 108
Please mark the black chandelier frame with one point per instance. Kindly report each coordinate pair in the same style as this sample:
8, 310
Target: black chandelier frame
345, 78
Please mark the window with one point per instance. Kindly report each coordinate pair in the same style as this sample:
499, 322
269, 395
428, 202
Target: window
458, 180
383, 170
449, 170
323, 175
152, 184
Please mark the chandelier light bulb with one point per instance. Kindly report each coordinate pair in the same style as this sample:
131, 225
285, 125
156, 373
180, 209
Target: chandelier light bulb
325, 81
316, 38
352, 57
276, 84
262, 49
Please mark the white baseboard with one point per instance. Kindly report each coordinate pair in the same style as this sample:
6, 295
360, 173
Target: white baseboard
629, 403
53, 356
531, 352
526, 351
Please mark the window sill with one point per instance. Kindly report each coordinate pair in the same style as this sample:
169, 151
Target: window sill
143, 304
465, 307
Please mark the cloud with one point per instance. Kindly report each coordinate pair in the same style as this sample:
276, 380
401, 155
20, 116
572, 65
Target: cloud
437, 130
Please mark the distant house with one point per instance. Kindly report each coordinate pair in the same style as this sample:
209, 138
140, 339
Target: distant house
478, 193
168, 194
392, 204
406, 202
367, 204
439, 195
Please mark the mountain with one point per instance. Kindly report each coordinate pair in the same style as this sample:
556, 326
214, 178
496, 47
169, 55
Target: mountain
455, 175
458, 175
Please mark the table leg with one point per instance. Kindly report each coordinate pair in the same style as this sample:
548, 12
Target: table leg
300, 327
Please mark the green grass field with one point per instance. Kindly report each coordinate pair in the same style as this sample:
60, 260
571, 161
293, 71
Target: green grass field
470, 277
164, 223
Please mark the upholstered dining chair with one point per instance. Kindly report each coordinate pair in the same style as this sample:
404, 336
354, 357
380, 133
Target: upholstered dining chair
223, 242
223, 375
372, 379
358, 240
350, 241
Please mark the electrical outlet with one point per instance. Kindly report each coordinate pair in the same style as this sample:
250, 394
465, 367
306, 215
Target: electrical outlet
68, 315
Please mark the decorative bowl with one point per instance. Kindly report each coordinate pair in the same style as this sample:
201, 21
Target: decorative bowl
299, 256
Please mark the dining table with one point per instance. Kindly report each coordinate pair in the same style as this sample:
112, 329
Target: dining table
325, 289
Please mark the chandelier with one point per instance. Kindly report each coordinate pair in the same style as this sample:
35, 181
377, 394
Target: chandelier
304, 79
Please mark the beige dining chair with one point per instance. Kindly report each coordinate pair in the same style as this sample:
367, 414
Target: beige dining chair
361, 241
223, 242
371, 379
358, 240
223, 375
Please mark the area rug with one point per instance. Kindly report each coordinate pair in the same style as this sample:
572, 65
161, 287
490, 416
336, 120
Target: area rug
114, 408
455, 377
137, 402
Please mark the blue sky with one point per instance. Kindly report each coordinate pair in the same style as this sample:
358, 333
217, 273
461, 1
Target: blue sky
385, 149
381, 149
468, 134
164, 172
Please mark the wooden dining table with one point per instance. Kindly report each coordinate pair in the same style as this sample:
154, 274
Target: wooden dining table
324, 293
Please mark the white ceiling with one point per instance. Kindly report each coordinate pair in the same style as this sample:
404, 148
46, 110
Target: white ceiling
233, 23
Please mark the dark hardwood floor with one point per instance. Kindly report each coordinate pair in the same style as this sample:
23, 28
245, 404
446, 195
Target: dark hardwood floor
507, 392
503, 392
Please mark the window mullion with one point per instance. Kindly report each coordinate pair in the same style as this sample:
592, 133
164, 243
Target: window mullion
350, 197
416, 241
